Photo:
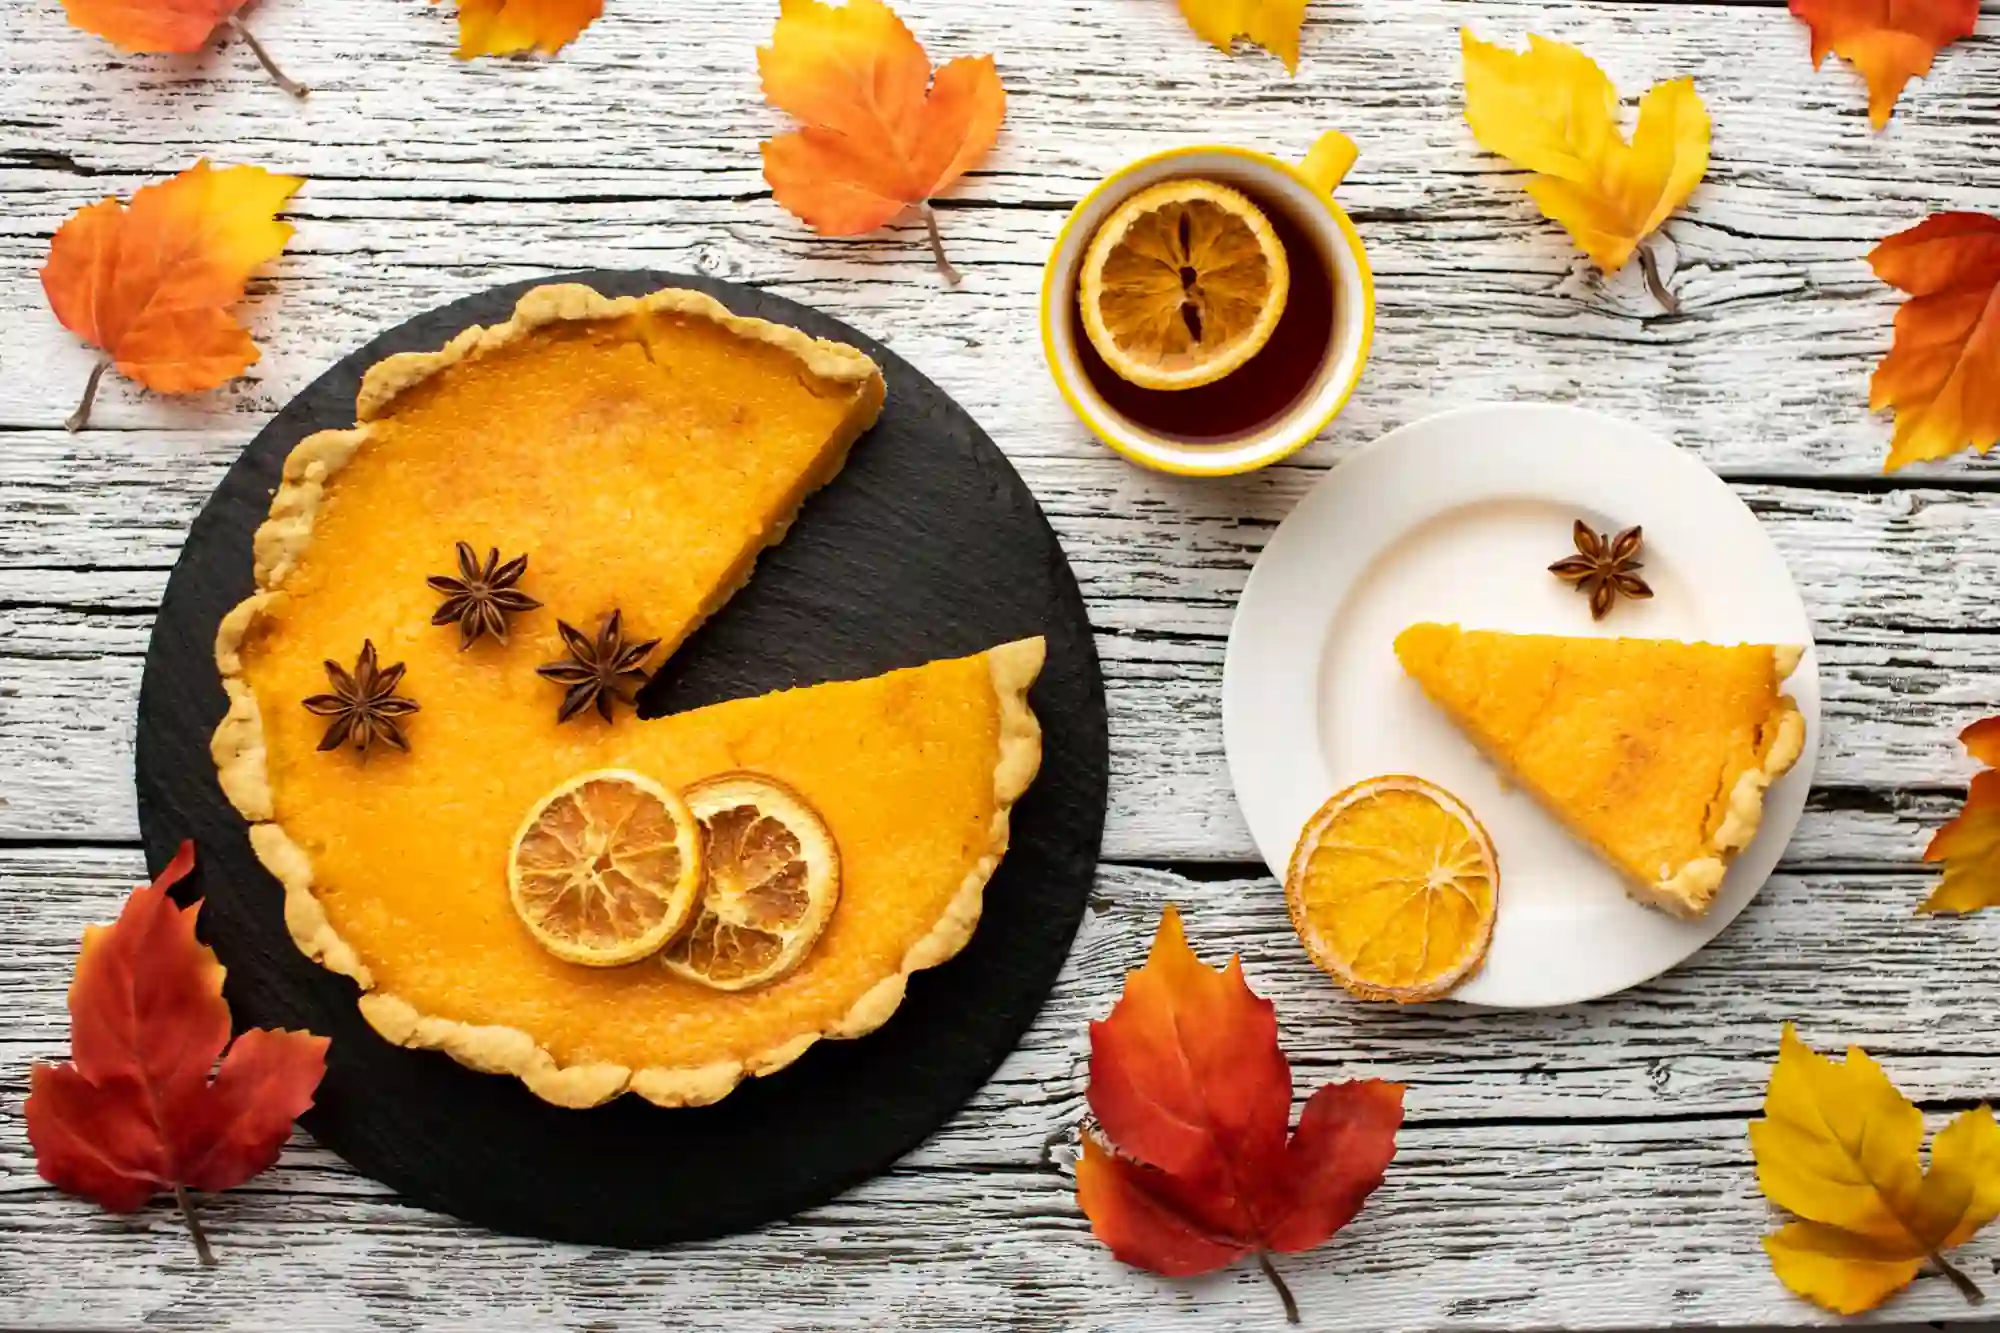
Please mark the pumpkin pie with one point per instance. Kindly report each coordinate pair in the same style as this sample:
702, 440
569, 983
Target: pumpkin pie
1657, 753
641, 452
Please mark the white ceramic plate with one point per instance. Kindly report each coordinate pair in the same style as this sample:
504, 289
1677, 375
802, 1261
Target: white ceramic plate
1455, 519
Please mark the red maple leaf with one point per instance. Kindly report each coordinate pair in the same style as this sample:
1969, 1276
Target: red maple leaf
1193, 1168
136, 1111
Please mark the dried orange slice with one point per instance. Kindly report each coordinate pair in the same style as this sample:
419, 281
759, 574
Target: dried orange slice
606, 868
1182, 284
773, 877
1393, 889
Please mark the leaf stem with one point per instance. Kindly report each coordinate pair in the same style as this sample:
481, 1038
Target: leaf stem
193, 1220
1650, 266
1278, 1281
296, 89
1966, 1286
80, 418
937, 243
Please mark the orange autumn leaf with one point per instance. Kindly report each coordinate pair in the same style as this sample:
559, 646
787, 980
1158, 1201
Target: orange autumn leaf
1969, 846
142, 1106
1942, 375
1889, 41
171, 26
1190, 1167
151, 282
879, 133
514, 27
1982, 741
153, 25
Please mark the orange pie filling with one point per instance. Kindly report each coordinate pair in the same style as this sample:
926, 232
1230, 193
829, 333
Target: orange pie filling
640, 454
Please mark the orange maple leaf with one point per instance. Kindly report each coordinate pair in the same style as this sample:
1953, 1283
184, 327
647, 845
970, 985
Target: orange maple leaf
172, 26
1889, 41
880, 133
1969, 846
1191, 1168
135, 1111
150, 283
1942, 375
514, 27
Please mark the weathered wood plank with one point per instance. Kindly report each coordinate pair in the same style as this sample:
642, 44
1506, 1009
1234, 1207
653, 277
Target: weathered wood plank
1892, 714
86, 535
1654, 1222
1662, 1216
1766, 368
1865, 560
1842, 954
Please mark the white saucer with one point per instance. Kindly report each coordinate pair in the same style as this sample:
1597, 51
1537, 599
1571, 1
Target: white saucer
1455, 518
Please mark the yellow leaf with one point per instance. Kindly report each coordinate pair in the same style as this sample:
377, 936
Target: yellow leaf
1552, 111
1839, 1146
515, 27
1271, 24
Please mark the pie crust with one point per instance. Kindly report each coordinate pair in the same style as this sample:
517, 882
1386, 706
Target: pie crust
240, 746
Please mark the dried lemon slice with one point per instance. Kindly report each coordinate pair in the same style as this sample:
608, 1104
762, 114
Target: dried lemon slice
773, 877
1182, 284
1393, 888
606, 868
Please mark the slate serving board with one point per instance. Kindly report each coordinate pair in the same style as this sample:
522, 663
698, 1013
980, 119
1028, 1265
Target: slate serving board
927, 545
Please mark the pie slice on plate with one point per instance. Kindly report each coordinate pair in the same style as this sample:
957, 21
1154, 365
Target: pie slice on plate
1657, 753
640, 453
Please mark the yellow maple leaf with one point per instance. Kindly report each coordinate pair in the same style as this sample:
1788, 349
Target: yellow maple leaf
516, 27
1271, 24
1969, 846
1552, 111
1839, 1146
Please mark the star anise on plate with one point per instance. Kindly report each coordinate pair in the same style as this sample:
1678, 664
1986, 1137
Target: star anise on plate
364, 706
600, 672
1604, 568
482, 596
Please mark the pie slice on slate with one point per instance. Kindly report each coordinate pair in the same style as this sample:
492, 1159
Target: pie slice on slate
640, 452
1655, 752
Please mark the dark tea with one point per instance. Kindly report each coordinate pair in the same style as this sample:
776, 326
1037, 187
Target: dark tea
1263, 388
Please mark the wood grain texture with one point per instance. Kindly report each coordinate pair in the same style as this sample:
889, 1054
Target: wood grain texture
1637, 1148
1581, 1169
638, 149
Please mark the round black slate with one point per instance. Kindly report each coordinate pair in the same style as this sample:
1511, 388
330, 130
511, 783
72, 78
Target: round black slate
927, 545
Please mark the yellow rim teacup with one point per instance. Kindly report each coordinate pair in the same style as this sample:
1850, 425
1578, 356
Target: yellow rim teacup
1307, 191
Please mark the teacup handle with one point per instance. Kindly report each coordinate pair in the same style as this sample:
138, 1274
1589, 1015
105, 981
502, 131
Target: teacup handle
1327, 165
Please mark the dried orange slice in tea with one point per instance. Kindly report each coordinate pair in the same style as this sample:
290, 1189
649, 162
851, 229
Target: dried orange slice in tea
1182, 284
773, 877
1392, 890
606, 868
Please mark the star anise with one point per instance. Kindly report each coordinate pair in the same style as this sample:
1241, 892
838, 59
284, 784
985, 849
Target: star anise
597, 672
1603, 568
364, 706
482, 597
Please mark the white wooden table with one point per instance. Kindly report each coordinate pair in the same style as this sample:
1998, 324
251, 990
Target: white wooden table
1585, 1168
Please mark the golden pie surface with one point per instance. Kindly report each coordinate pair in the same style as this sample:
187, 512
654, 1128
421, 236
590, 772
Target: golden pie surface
641, 452
1657, 753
